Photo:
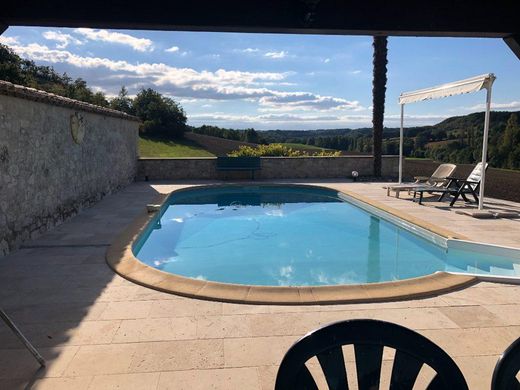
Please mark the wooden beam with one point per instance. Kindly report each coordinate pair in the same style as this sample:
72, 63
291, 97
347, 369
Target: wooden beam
513, 41
3, 27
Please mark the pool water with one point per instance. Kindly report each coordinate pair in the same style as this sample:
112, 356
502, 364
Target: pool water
294, 236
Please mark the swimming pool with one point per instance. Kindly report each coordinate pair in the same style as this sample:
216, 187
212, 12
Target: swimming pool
279, 235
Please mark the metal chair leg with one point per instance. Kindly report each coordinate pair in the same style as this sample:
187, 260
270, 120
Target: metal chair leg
22, 338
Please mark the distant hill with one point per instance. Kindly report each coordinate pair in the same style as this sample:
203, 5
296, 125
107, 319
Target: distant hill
457, 139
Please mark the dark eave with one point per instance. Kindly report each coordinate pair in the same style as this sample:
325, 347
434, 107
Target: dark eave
454, 18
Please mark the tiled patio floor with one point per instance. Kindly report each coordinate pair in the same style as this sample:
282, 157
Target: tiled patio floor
100, 331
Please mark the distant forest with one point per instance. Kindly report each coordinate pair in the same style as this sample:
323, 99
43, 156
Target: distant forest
457, 139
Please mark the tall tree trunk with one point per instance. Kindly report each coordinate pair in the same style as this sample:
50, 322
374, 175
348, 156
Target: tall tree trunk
378, 99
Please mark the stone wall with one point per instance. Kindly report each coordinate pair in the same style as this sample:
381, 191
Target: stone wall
500, 183
57, 155
272, 168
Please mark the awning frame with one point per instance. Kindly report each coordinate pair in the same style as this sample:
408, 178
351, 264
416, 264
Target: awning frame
473, 84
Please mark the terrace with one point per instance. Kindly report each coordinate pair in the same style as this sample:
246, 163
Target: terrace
99, 330
96, 329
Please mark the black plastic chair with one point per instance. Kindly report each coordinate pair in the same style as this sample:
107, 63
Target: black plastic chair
368, 337
508, 366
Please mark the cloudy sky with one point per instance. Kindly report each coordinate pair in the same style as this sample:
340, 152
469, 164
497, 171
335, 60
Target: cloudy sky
270, 81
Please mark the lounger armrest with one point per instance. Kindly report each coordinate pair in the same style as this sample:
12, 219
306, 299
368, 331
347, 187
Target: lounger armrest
469, 182
421, 178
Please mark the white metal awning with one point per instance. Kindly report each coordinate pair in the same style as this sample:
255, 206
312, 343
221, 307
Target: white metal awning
472, 84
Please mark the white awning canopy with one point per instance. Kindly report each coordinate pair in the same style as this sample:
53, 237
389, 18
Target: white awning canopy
472, 84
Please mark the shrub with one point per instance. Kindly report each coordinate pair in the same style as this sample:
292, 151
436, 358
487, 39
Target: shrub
277, 150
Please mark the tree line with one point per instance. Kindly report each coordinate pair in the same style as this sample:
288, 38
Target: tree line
161, 115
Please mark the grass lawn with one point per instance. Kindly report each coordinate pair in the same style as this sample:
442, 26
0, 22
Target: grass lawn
156, 147
304, 147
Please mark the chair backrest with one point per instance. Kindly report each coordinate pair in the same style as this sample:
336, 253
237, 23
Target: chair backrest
476, 175
368, 337
507, 368
439, 176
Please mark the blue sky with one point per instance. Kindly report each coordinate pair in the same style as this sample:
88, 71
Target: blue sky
271, 81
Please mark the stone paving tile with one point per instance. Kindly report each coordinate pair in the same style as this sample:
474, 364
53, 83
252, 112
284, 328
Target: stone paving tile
220, 379
15, 383
156, 329
267, 375
477, 370
416, 318
178, 355
482, 296
63, 333
471, 316
209, 327
126, 310
256, 351
78, 383
473, 341
142, 381
19, 363
182, 307
101, 359
508, 314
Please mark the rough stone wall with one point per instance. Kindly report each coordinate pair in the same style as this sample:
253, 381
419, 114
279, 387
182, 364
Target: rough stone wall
500, 183
45, 175
272, 168
177, 168
324, 167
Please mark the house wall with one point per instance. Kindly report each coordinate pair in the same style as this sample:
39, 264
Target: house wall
57, 155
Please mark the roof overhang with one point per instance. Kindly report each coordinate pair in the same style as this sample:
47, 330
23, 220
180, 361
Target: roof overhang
462, 18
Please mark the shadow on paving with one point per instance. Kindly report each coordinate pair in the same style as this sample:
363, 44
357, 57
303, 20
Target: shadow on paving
55, 284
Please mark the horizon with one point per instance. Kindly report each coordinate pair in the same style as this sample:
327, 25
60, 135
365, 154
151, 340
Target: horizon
385, 127
275, 81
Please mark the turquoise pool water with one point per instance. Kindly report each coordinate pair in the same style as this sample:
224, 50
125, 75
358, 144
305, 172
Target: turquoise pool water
294, 236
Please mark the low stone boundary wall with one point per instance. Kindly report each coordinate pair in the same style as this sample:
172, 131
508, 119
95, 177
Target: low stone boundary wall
272, 168
500, 183
57, 155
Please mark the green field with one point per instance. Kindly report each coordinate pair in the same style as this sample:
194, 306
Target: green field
304, 147
155, 147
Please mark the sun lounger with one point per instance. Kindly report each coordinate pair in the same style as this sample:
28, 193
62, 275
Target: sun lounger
456, 187
438, 179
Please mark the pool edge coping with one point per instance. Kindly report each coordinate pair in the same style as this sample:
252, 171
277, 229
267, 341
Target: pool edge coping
120, 258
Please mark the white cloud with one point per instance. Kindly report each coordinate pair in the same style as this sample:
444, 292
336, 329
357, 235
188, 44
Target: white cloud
172, 49
188, 83
139, 44
276, 54
305, 121
302, 100
326, 60
265, 118
63, 40
250, 50
357, 71
8, 40
510, 106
